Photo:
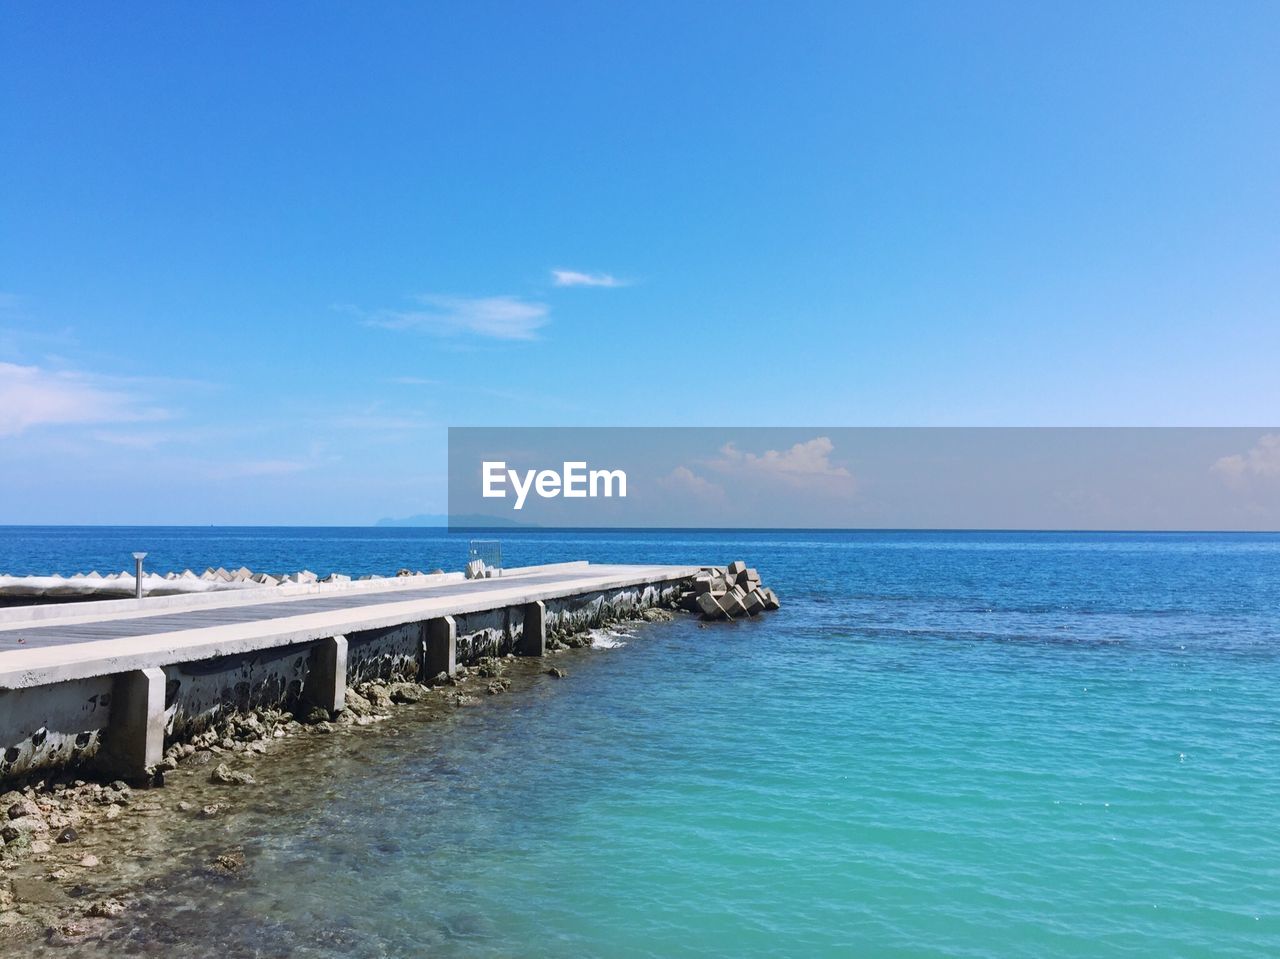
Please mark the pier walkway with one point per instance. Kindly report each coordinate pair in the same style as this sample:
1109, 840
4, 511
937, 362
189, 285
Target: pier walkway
40, 645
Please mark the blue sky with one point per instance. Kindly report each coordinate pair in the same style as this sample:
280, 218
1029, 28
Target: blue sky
254, 259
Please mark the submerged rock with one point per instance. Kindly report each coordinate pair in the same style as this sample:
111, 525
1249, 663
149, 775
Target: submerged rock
406, 693
226, 776
105, 908
229, 863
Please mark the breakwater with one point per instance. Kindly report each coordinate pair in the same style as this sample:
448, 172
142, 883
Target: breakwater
109, 684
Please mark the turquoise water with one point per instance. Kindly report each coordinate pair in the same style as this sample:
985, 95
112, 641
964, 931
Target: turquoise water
949, 744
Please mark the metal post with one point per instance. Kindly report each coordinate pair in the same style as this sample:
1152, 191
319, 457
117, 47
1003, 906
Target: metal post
137, 573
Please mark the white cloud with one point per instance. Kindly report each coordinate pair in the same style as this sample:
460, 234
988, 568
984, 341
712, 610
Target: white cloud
1262, 461
686, 481
33, 396
496, 317
574, 278
806, 464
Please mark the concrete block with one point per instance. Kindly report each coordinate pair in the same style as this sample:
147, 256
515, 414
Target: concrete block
754, 603
439, 647
474, 569
134, 738
326, 684
771, 600
710, 607
736, 567
733, 605
749, 579
533, 635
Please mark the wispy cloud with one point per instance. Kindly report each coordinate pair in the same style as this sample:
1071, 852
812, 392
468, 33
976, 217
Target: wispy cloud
412, 381
575, 278
254, 468
1262, 461
32, 396
495, 317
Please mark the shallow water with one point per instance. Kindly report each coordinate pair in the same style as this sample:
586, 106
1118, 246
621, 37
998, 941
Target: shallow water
956, 744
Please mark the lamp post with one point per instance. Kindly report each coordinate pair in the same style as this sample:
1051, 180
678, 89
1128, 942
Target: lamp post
137, 573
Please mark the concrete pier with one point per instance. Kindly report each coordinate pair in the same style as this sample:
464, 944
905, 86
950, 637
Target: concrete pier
110, 683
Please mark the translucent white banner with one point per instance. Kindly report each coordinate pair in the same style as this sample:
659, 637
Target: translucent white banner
865, 478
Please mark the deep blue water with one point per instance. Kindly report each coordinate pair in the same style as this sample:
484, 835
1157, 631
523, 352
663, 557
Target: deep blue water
944, 744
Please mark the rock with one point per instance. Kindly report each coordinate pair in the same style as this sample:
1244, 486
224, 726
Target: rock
89, 861
378, 696
557, 672
212, 810
316, 715
498, 686
407, 693
655, 614
23, 807
21, 832
229, 863
226, 776
357, 704
39, 847
322, 729
105, 909
68, 834
67, 933
490, 667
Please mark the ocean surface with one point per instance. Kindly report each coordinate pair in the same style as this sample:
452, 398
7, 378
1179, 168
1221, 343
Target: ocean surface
944, 744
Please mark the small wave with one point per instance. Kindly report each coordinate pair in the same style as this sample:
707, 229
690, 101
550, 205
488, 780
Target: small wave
610, 638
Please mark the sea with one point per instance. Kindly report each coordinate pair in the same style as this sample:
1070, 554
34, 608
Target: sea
944, 744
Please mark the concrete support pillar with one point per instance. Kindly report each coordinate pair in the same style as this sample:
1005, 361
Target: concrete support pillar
533, 634
326, 684
439, 647
134, 738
